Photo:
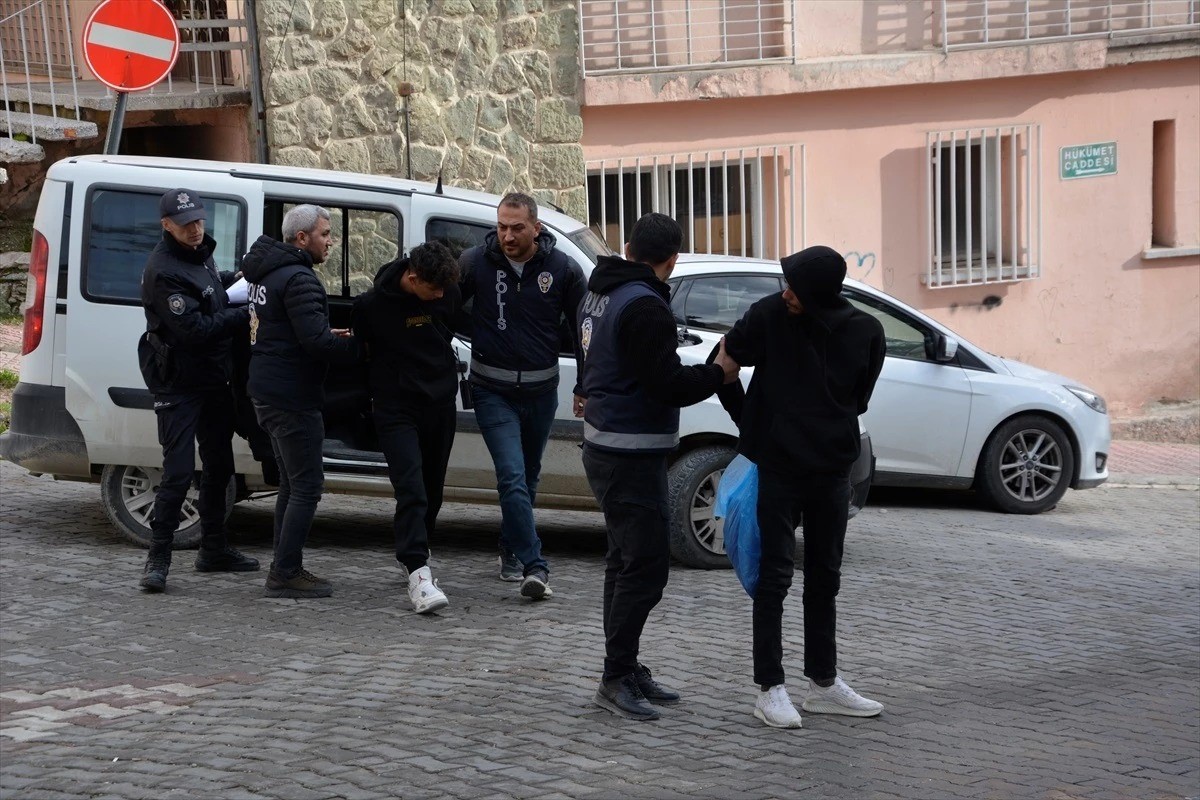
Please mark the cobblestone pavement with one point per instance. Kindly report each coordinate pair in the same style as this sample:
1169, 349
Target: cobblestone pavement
1052, 657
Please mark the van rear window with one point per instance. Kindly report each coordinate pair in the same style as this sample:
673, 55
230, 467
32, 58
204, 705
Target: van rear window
124, 226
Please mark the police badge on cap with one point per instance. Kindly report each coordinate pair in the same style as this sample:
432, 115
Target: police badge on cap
182, 206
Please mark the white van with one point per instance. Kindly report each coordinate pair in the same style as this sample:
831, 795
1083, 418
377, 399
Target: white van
82, 411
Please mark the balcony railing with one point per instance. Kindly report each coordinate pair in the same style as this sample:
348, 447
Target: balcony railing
649, 35
991, 23
39, 65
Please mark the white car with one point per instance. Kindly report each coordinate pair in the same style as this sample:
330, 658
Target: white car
945, 413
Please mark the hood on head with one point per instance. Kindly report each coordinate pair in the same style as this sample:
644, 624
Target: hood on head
815, 276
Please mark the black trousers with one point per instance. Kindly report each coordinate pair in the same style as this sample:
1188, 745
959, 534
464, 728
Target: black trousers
297, 438
822, 499
185, 421
416, 441
632, 493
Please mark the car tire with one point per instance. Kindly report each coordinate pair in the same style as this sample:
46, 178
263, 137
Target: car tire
696, 538
1026, 465
128, 496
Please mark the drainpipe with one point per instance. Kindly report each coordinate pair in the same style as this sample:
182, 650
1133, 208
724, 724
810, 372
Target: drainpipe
257, 107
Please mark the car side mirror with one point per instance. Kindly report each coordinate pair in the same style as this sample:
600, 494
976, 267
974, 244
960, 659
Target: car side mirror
945, 348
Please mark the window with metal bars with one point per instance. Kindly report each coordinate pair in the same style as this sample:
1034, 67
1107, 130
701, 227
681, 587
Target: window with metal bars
737, 202
984, 205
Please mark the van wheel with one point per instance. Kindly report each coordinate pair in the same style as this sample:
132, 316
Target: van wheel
697, 540
128, 495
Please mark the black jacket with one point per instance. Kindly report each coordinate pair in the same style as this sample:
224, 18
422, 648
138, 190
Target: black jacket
407, 340
813, 375
519, 326
188, 320
648, 339
290, 341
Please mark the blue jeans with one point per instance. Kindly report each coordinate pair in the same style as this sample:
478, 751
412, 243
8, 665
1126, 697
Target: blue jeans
516, 431
296, 438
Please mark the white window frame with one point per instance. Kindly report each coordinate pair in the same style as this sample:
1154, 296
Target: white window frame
1005, 208
785, 162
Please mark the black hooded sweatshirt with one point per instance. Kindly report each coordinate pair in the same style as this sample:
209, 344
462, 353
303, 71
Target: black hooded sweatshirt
813, 372
408, 340
290, 341
648, 338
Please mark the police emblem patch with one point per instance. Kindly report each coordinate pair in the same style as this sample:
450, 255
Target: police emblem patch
585, 334
544, 281
176, 303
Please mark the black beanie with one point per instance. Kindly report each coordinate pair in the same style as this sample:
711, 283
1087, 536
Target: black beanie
815, 275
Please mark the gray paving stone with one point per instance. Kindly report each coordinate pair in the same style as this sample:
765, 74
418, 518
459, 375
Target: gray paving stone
1056, 656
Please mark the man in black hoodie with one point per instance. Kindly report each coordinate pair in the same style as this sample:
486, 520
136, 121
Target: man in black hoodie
291, 346
406, 325
815, 359
185, 361
633, 386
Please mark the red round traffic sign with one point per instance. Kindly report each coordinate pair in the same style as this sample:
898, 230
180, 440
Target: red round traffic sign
130, 45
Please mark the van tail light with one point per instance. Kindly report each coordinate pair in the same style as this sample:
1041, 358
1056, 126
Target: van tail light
35, 294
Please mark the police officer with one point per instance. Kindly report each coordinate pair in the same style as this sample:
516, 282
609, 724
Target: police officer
185, 359
633, 386
291, 347
523, 288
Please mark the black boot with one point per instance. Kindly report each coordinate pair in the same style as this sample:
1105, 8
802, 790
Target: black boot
158, 564
651, 689
623, 697
226, 559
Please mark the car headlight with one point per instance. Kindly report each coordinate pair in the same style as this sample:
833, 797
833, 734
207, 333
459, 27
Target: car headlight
1090, 398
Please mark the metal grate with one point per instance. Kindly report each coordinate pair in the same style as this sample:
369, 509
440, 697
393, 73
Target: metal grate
36, 38
739, 201
647, 35
989, 23
984, 205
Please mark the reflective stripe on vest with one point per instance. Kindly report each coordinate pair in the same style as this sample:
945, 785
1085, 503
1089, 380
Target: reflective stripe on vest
513, 376
630, 441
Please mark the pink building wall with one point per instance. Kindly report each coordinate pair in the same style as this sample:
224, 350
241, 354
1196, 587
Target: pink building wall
1100, 313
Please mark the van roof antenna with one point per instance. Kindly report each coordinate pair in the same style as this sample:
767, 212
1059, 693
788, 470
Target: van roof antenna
438, 189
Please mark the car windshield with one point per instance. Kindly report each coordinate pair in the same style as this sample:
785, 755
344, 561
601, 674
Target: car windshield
592, 245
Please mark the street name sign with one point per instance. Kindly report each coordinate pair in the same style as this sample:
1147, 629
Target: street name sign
1087, 160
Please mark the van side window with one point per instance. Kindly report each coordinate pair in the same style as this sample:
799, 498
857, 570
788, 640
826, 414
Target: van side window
455, 234
364, 239
123, 226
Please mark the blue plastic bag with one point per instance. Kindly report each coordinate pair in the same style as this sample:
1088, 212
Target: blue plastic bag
737, 504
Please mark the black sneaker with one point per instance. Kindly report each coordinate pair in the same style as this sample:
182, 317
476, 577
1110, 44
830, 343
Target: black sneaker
651, 689
302, 585
536, 585
154, 574
622, 697
224, 560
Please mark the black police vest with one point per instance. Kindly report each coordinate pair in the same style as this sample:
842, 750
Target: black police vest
619, 417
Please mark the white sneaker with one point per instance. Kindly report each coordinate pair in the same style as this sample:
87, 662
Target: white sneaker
424, 593
775, 708
839, 699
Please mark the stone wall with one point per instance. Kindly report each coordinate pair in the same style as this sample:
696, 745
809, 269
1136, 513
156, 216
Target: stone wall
494, 91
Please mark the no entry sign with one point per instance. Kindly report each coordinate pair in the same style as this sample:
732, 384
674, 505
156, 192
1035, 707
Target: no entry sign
130, 44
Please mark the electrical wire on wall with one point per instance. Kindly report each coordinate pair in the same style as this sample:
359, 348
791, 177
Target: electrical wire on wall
405, 87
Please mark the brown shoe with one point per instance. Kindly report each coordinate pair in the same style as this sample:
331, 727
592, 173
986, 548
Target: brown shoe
301, 585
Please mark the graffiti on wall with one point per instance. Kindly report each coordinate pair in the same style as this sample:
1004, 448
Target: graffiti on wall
862, 264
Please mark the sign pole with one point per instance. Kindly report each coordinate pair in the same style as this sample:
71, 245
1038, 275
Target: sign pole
116, 121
